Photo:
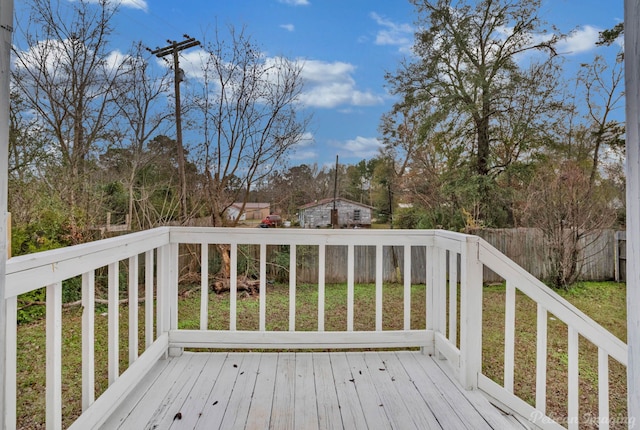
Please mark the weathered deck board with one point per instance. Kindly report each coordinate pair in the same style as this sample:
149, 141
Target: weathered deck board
405, 390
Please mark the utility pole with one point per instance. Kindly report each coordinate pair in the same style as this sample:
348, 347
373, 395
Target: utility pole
178, 76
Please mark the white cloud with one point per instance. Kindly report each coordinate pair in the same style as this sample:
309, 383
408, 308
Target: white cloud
329, 85
295, 2
579, 41
133, 4
393, 34
363, 147
288, 27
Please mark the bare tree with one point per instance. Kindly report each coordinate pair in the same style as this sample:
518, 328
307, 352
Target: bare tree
570, 213
141, 116
68, 77
248, 111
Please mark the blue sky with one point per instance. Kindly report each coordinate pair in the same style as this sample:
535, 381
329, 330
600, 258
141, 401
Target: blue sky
346, 45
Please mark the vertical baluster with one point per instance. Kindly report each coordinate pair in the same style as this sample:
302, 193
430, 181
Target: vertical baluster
292, 286
573, 394
541, 360
321, 273
11, 346
603, 389
350, 285
233, 287
441, 282
379, 281
204, 286
173, 286
263, 286
407, 287
148, 298
133, 309
161, 291
509, 335
88, 339
453, 297
113, 331
430, 286
54, 357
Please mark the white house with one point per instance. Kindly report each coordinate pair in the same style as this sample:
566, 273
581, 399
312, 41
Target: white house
251, 211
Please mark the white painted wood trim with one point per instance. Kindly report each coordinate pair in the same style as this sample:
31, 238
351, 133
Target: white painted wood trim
632, 99
407, 286
350, 285
11, 346
204, 286
512, 403
133, 309
113, 335
379, 281
263, 287
453, 297
541, 359
299, 339
509, 336
110, 400
88, 339
173, 286
573, 400
449, 351
471, 315
149, 300
321, 271
441, 271
603, 389
161, 290
293, 259
233, 284
431, 296
54, 357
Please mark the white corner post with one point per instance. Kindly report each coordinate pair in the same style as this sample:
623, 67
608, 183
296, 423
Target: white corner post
6, 30
470, 314
632, 94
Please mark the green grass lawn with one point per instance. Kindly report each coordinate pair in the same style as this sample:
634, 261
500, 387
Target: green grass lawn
604, 302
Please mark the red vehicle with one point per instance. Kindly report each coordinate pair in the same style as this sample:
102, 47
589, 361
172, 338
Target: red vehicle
271, 221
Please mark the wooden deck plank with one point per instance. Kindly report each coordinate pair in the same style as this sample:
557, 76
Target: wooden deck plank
138, 394
218, 401
326, 396
306, 409
262, 398
282, 413
393, 405
240, 400
175, 399
431, 394
198, 398
153, 400
369, 399
419, 409
456, 396
381, 390
346, 390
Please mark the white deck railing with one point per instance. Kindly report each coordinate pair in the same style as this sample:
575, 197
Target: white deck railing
454, 267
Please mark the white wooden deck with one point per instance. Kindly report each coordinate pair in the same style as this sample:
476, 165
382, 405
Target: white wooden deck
349, 390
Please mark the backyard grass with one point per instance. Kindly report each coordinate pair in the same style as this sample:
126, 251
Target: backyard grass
604, 302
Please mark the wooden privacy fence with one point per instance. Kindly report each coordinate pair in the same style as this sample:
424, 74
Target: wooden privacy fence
526, 246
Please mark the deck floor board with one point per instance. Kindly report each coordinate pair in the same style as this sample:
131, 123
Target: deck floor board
288, 390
